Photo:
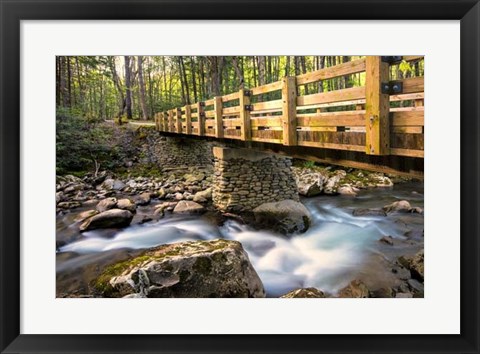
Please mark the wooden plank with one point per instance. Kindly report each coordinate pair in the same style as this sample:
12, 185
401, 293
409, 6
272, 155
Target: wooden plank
413, 84
201, 119
232, 123
407, 129
407, 109
274, 86
217, 108
267, 122
194, 125
408, 96
267, 105
377, 106
407, 118
289, 110
210, 114
330, 114
231, 110
348, 94
265, 112
245, 122
351, 67
188, 120
407, 152
322, 120
335, 146
266, 140
209, 102
230, 97
179, 120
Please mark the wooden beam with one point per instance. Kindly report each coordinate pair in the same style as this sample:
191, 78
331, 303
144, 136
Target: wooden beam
201, 119
377, 106
289, 110
245, 122
188, 119
273, 105
348, 94
274, 86
217, 108
333, 120
179, 120
351, 67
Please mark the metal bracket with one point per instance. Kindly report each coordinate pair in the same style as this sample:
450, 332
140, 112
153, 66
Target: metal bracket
391, 59
249, 107
202, 104
392, 87
247, 93
202, 114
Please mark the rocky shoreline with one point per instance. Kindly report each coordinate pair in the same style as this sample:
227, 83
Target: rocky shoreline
111, 202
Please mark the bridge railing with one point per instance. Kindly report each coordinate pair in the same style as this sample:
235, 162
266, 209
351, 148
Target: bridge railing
382, 117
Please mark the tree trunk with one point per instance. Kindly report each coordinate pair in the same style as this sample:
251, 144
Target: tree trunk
261, 70
287, 66
141, 83
63, 82
194, 79
59, 75
241, 82
186, 99
128, 88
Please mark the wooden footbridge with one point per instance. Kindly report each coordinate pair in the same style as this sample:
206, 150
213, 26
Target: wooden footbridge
378, 126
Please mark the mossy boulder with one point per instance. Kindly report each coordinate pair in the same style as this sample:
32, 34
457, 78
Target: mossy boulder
286, 217
195, 269
304, 293
107, 219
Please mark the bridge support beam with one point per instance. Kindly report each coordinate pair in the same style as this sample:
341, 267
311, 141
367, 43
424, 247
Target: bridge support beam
246, 178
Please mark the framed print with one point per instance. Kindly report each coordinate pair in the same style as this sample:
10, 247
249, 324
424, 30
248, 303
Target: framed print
239, 177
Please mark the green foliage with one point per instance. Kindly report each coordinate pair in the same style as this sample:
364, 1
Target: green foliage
82, 143
309, 164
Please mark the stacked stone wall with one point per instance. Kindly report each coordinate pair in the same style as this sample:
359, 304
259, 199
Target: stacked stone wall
245, 179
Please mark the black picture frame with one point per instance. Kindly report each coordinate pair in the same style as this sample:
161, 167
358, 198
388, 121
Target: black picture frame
13, 12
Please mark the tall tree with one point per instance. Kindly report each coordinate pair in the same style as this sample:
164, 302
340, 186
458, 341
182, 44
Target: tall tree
141, 83
241, 81
128, 87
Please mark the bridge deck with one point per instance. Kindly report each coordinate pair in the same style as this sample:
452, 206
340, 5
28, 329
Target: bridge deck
382, 118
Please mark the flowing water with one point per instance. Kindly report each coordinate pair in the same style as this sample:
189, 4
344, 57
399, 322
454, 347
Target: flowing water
337, 247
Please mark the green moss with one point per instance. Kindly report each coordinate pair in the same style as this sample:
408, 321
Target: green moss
102, 283
203, 265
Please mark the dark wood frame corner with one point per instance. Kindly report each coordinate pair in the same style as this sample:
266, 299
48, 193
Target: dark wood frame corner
14, 11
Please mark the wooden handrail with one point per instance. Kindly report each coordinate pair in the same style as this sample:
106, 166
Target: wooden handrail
302, 120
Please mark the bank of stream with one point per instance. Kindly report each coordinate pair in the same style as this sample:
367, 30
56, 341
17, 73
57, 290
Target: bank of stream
338, 247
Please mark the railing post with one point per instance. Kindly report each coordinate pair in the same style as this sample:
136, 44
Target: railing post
218, 109
158, 121
201, 119
179, 120
245, 123
170, 121
289, 110
377, 107
188, 119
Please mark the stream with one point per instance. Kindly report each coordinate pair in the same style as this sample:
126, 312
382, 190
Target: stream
337, 248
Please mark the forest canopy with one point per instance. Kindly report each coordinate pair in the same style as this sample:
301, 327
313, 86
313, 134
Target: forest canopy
137, 87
